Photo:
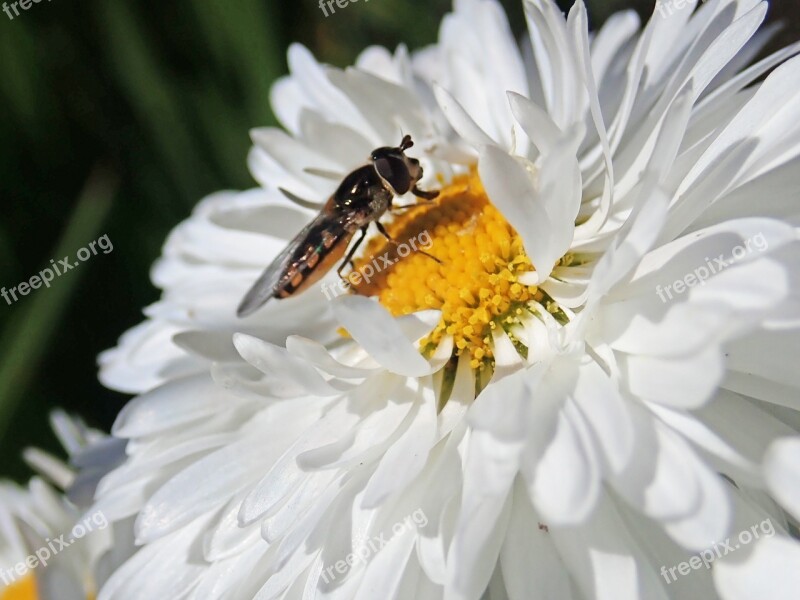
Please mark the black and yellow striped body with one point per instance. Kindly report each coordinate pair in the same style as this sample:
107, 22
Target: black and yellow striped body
322, 246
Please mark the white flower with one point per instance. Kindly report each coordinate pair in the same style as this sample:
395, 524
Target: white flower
49, 549
208, 262
575, 431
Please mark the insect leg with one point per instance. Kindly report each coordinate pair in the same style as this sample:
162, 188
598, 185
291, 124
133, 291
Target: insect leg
348, 259
383, 231
427, 194
300, 201
402, 209
392, 241
431, 256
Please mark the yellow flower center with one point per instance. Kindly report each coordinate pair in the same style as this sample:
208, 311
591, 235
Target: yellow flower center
24, 589
474, 280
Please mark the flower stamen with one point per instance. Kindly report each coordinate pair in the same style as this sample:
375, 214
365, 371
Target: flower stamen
476, 281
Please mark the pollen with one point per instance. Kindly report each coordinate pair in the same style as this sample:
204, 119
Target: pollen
457, 255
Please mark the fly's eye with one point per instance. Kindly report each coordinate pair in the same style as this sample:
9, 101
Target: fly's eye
395, 172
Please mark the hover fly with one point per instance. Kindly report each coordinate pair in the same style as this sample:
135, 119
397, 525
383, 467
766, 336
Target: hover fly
362, 198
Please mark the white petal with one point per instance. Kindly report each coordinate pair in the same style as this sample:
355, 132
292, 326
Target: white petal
566, 496
556, 62
697, 253
766, 354
317, 354
782, 473
686, 382
504, 407
197, 489
770, 104
532, 568
171, 405
536, 123
388, 108
404, 459
373, 433
711, 521
386, 570
604, 559
606, 414
461, 121
284, 474
144, 357
512, 190
278, 364
481, 528
381, 335
770, 571
319, 92
634, 240
661, 481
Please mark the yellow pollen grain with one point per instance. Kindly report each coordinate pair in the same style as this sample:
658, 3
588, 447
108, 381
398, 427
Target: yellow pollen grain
475, 284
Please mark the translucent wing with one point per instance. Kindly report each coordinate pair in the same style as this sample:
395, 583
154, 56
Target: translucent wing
317, 245
271, 279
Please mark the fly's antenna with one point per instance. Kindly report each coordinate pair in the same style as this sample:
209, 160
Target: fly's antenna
406, 143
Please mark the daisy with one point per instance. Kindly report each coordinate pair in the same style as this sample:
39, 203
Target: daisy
592, 383
49, 549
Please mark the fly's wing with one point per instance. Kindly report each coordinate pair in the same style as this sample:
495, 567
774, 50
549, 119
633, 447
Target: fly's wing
270, 281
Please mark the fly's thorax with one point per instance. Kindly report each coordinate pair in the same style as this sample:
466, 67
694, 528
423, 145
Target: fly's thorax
369, 208
379, 204
361, 194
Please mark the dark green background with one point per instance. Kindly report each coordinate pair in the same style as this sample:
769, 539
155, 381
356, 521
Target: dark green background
160, 96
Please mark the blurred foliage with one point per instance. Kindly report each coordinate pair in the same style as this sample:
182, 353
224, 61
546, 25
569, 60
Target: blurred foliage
163, 94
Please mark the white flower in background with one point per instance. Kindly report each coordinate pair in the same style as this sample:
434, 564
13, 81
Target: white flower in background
555, 409
49, 548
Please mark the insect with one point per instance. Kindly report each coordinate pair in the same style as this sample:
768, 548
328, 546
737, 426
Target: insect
362, 198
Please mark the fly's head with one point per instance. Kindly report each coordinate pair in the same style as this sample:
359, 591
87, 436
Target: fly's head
400, 173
